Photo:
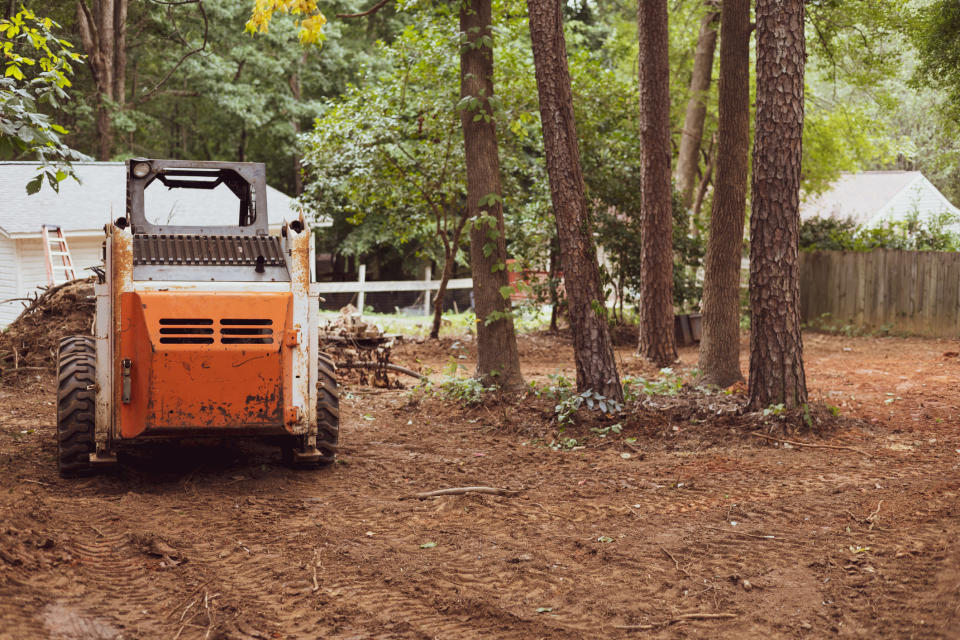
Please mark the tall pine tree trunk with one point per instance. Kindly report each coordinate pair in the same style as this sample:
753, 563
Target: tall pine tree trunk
776, 347
592, 347
692, 134
497, 357
657, 341
720, 342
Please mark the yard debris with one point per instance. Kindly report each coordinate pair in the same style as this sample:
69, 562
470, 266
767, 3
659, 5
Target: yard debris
362, 346
30, 343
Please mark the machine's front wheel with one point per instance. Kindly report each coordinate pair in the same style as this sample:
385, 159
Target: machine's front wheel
76, 377
295, 449
328, 410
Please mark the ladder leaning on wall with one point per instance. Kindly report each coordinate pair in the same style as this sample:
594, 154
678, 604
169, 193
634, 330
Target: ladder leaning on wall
55, 245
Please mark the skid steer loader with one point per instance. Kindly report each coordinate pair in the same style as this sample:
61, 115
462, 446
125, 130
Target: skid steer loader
200, 330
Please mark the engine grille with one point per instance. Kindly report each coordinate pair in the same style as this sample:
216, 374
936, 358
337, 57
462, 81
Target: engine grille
206, 250
230, 331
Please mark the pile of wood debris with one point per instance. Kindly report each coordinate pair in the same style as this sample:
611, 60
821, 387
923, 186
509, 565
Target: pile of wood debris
363, 347
30, 343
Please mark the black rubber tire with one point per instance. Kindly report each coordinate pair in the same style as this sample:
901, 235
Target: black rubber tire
77, 344
328, 410
76, 398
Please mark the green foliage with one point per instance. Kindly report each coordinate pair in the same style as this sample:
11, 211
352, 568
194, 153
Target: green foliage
603, 432
620, 236
37, 70
634, 387
569, 402
465, 391
386, 157
842, 136
566, 410
910, 234
774, 410
935, 28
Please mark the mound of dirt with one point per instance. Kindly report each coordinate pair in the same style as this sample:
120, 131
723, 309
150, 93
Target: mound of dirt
31, 341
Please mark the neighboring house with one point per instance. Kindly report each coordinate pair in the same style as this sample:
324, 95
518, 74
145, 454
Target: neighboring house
871, 198
83, 209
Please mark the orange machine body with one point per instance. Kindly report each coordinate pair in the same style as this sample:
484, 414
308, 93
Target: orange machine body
204, 362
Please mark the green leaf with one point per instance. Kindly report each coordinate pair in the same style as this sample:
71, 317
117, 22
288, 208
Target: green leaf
428, 545
34, 185
506, 291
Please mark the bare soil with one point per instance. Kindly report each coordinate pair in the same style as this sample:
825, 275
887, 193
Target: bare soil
691, 519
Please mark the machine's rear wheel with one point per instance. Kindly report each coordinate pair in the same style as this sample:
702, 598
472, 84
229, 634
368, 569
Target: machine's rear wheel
328, 421
76, 376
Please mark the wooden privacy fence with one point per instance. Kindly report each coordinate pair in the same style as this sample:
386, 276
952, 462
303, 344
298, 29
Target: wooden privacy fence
909, 291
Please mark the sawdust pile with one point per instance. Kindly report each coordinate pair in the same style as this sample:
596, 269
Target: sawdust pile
30, 343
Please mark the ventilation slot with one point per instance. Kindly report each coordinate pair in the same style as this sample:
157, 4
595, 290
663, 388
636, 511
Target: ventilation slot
246, 331
187, 321
186, 331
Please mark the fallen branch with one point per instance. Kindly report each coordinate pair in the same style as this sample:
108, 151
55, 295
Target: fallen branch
456, 491
810, 445
680, 618
388, 367
675, 563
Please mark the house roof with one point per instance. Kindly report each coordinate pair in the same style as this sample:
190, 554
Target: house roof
84, 208
871, 197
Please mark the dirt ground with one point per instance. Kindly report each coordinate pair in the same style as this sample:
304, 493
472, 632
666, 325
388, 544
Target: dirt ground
689, 521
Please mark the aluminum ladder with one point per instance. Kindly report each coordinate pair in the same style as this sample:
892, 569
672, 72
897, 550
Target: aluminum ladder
55, 245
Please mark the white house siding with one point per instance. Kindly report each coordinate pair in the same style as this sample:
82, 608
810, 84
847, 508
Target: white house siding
84, 251
8, 281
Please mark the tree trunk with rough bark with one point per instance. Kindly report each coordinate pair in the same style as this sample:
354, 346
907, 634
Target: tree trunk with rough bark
657, 341
498, 359
720, 341
103, 34
692, 134
776, 347
592, 346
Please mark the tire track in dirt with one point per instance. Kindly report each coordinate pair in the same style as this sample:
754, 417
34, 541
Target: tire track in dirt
19, 603
117, 583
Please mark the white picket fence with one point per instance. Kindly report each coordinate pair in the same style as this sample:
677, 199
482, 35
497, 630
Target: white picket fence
361, 287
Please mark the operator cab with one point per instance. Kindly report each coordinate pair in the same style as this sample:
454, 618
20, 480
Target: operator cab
226, 238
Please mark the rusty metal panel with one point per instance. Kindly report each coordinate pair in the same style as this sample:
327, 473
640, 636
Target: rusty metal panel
121, 282
103, 416
202, 361
297, 245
